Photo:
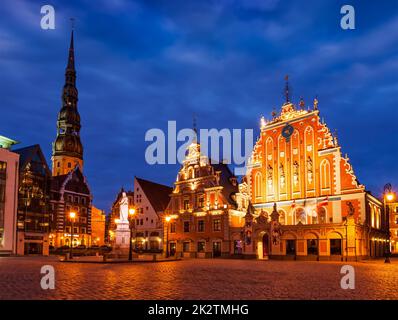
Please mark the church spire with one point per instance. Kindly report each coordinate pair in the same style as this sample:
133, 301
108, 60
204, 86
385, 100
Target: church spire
71, 58
67, 148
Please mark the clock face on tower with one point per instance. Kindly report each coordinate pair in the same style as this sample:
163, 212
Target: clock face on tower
287, 131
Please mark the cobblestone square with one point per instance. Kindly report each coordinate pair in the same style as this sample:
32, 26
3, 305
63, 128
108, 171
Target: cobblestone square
197, 279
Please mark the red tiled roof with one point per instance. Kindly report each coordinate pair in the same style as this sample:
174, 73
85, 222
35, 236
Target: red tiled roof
157, 194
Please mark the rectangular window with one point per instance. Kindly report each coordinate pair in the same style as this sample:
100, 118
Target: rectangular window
186, 204
201, 226
186, 226
217, 225
185, 246
75, 230
83, 230
201, 201
67, 229
173, 227
201, 246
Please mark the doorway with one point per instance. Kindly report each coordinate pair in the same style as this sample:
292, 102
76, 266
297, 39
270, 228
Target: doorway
291, 247
312, 247
265, 242
172, 248
33, 248
216, 249
335, 247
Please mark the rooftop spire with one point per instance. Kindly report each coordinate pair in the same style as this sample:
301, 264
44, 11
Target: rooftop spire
67, 142
194, 126
71, 58
287, 89
194, 123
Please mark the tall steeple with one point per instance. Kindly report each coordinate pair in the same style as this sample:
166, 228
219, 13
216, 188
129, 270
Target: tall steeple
286, 93
67, 147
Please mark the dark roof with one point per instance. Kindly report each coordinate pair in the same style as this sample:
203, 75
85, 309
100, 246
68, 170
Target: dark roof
27, 154
76, 184
157, 194
225, 180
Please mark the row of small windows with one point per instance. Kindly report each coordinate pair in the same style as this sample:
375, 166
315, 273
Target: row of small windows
300, 215
187, 204
140, 222
76, 209
141, 210
69, 165
325, 179
76, 230
200, 226
77, 199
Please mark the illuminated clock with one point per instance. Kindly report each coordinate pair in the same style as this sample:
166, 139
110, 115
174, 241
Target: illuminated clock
287, 131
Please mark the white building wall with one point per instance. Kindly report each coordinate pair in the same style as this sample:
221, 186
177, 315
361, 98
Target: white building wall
146, 218
8, 242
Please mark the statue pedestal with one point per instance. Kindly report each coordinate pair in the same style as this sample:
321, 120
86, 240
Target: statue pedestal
122, 239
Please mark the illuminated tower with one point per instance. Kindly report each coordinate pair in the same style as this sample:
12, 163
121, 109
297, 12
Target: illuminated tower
67, 147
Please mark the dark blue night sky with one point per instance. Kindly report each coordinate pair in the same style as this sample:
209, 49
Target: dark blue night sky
142, 63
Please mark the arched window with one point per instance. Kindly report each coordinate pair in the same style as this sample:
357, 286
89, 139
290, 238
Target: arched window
191, 173
372, 216
325, 174
322, 215
300, 216
258, 185
378, 220
282, 217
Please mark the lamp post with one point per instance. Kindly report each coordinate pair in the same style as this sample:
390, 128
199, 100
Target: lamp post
388, 196
131, 225
72, 216
168, 218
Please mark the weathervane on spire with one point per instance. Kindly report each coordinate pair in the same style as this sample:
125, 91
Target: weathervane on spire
72, 23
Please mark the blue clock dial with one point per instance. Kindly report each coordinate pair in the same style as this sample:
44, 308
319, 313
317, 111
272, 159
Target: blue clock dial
287, 131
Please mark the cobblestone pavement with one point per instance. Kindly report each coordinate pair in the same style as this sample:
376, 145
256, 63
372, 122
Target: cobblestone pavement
197, 279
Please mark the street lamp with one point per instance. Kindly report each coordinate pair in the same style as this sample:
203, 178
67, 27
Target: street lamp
72, 216
168, 218
131, 225
388, 197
